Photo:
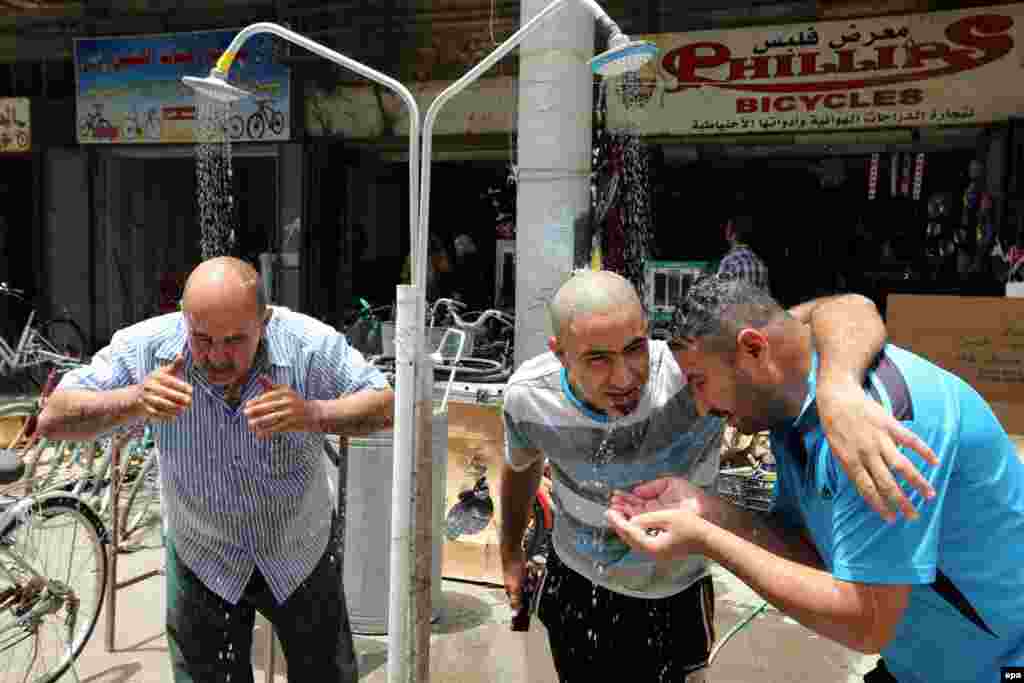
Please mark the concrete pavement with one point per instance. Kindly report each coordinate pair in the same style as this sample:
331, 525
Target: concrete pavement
472, 643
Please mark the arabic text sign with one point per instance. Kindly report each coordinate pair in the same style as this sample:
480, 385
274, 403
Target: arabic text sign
130, 91
919, 70
15, 126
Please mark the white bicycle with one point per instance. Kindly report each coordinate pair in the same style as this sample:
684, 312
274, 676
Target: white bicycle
58, 343
53, 574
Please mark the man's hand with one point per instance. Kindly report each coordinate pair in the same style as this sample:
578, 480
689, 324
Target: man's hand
280, 409
667, 493
661, 517
165, 395
865, 439
513, 564
667, 535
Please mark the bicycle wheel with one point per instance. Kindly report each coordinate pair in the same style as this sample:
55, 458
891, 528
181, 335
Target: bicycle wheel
67, 337
55, 571
276, 123
142, 509
257, 126
58, 342
236, 126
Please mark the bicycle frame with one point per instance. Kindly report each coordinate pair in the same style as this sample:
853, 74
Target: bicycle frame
10, 358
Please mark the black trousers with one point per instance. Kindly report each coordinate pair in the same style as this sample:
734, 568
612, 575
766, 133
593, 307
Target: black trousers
594, 632
211, 640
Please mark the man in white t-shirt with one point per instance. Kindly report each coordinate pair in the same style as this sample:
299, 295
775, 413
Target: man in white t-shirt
609, 408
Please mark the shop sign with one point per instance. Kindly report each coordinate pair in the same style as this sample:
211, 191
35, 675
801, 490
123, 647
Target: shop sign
129, 90
942, 68
15, 126
367, 111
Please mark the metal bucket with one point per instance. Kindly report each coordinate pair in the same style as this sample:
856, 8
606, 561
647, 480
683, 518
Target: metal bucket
368, 525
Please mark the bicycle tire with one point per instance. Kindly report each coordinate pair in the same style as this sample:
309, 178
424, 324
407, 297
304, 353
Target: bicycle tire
65, 337
95, 574
236, 127
256, 127
276, 123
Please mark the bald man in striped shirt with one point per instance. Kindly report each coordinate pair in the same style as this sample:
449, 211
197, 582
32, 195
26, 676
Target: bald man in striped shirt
240, 395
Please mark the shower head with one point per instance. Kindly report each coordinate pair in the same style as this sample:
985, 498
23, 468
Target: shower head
216, 87
622, 56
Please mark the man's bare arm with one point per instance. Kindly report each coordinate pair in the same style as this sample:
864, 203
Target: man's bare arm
860, 616
516, 495
80, 415
848, 333
760, 529
362, 413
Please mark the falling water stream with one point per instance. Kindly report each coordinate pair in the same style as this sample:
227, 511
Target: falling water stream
214, 196
623, 170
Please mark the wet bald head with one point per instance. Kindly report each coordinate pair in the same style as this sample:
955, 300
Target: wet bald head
591, 292
224, 283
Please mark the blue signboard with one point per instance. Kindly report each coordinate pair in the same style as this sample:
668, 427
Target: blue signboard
129, 89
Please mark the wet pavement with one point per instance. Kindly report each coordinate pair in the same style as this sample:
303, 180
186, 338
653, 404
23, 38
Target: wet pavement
472, 643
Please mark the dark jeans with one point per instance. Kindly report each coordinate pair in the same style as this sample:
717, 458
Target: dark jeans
880, 674
593, 631
211, 640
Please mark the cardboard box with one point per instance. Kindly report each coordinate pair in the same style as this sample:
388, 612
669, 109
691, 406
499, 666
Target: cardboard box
981, 339
476, 443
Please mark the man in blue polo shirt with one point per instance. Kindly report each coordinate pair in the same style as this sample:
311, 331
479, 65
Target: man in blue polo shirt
940, 597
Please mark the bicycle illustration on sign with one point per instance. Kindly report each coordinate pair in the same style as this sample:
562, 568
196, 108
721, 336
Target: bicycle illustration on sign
137, 126
96, 126
255, 126
14, 127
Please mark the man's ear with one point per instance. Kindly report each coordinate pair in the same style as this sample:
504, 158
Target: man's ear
555, 348
751, 343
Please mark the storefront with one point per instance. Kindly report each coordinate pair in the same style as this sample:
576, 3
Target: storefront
151, 204
18, 190
875, 155
359, 186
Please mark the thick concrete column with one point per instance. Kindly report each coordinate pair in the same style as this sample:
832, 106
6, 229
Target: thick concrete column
554, 150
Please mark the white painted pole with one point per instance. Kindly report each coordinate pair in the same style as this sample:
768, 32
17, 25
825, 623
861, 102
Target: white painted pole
554, 140
400, 613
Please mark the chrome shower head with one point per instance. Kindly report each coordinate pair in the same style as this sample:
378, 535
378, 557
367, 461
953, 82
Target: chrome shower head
623, 56
216, 87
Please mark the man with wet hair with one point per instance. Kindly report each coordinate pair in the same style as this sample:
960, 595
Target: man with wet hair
609, 409
240, 395
940, 597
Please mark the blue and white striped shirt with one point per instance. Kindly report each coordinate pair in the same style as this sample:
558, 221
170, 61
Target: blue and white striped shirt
234, 502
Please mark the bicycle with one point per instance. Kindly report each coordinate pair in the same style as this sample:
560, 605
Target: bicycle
53, 579
135, 127
256, 125
85, 471
93, 123
496, 366
265, 116
58, 343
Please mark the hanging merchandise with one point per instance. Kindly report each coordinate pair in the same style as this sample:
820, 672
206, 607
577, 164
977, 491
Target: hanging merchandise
905, 174
918, 175
894, 175
873, 176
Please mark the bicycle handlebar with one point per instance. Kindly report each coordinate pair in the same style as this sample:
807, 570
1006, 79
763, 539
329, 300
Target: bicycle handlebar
461, 324
10, 291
